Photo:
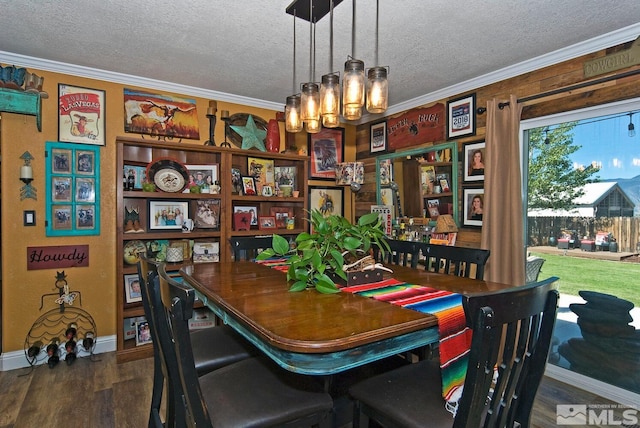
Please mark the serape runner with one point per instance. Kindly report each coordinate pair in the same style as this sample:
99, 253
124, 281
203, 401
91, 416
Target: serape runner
455, 336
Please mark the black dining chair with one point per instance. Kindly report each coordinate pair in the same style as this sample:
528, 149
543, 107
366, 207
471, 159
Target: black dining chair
401, 253
248, 247
253, 392
460, 261
213, 347
512, 333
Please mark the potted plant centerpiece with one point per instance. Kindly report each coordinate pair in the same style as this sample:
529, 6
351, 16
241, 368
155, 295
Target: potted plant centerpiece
321, 255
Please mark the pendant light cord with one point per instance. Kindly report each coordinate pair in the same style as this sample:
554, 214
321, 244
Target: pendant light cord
376, 63
311, 41
294, 53
353, 30
331, 36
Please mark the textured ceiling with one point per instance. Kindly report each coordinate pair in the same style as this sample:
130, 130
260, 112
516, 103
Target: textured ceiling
245, 47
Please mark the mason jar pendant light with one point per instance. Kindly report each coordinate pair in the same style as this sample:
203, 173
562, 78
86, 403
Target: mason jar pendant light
377, 84
330, 86
353, 80
310, 98
292, 121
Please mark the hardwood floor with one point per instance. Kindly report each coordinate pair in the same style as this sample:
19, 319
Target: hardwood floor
102, 393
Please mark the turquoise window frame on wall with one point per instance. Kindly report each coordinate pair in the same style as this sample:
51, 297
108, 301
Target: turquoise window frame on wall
73, 189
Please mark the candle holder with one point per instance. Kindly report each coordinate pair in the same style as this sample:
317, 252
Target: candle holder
225, 117
26, 176
211, 115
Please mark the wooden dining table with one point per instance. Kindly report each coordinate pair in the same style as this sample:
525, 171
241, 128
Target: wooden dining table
319, 334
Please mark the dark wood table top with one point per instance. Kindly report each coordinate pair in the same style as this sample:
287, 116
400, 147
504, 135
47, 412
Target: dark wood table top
310, 322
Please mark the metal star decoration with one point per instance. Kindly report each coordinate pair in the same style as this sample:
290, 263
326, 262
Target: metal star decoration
251, 135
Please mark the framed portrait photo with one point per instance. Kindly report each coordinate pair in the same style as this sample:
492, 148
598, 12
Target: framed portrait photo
143, 333
473, 155
252, 211
326, 150
378, 137
201, 175
207, 215
139, 174
81, 115
473, 207
281, 214
167, 215
461, 116
267, 222
132, 291
249, 186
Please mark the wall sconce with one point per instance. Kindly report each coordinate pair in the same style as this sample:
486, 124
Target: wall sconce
211, 114
26, 176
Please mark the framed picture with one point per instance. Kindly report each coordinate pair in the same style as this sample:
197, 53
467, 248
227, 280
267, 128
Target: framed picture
326, 150
267, 222
143, 333
473, 207
139, 174
442, 180
473, 161
281, 214
433, 208
81, 115
167, 214
236, 180
207, 214
72, 189
262, 171
285, 175
386, 172
378, 137
328, 200
202, 175
253, 211
461, 116
132, 291
249, 186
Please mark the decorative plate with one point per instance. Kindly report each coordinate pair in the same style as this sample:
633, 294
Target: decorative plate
131, 250
168, 175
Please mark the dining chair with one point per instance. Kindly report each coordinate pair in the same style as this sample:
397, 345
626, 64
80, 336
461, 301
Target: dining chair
533, 267
512, 333
401, 253
460, 261
213, 347
252, 392
248, 247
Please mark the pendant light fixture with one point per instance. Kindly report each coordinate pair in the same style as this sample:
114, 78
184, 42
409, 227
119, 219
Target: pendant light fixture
632, 129
353, 80
310, 98
292, 120
330, 86
377, 84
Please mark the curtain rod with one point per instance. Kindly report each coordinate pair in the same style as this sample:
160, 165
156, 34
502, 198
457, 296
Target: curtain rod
502, 105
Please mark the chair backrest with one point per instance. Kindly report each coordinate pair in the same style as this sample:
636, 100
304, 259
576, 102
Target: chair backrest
402, 253
248, 247
532, 270
164, 363
177, 304
458, 261
512, 332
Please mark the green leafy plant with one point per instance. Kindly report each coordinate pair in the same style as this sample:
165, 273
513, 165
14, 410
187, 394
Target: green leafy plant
334, 242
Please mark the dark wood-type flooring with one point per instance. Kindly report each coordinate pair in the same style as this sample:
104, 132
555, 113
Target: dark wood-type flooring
102, 393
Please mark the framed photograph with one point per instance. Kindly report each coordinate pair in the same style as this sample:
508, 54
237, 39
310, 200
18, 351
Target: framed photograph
236, 180
139, 174
378, 137
473, 161
433, 208
132, 291
386, 172
202, 175
207, 214
262, 171
442, 180
473, 207
143, 333
326, 150
285, 175
281, 214
61, 161
167, 214
253, 211
81, 115
461, 116
249, 186
267, 222
72, 189
328, 200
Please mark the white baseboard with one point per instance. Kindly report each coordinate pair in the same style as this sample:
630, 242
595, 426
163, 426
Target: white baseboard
17, 359
603, 389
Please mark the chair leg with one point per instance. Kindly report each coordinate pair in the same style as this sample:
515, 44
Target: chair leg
156, 396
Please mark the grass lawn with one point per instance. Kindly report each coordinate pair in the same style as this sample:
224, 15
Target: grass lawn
619, 279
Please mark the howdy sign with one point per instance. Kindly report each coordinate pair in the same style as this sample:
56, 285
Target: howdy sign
57, 257
416, 127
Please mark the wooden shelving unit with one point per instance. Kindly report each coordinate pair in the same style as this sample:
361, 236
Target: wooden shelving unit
138, 152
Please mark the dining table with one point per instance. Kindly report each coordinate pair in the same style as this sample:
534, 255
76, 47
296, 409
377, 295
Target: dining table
311, 333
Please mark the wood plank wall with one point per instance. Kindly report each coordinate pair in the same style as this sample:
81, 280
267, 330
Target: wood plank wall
541, 81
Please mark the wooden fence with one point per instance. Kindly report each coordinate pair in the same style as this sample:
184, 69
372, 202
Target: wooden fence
626, 230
